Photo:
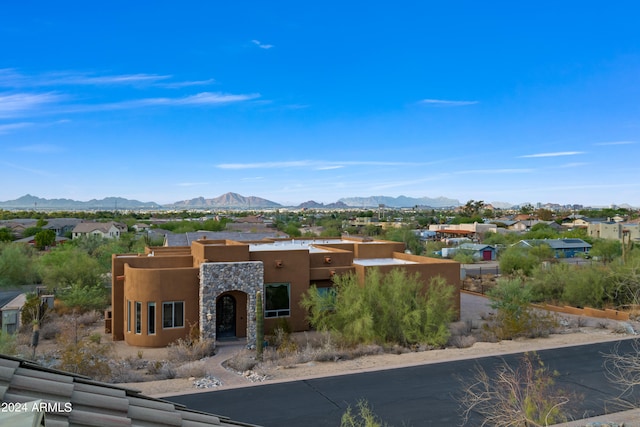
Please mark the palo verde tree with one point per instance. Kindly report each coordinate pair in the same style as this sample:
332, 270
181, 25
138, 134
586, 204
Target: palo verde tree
391, 308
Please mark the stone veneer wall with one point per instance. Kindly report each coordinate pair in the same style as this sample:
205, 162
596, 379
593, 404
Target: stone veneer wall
219, 277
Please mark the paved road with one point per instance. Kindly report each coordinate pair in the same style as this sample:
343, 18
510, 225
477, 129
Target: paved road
412, 396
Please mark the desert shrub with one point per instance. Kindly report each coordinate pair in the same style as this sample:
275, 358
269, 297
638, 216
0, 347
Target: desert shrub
241, 361
464, 257
52, 327
390, 308
462, 341
363, 417
188, 350
516, 259
121, 372
514, 315
8, 344
81, 355
525, 395
192, 369
586, 288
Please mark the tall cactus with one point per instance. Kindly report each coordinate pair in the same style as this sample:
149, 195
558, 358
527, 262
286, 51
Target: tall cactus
259, 326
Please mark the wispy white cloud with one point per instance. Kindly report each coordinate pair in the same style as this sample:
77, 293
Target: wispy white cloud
11, 78
446, 102
17, 104
315, 164
573, 165
265, 165
493, 171
556, 154
616, 143
9, 127
204, 98
262, 45
178, 85
38, 148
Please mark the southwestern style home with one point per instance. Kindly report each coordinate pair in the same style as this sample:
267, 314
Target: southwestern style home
210, 286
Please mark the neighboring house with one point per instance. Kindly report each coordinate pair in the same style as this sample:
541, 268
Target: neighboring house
141, 227
211, 285
11, 303
614, 230
75, 400
467, 229
61, 226
478, 251
562, 248
108, 230
582, 222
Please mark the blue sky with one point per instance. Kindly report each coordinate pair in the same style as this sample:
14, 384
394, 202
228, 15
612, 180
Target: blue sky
295, 101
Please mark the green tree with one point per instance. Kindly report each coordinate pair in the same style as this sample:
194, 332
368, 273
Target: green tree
5, 234
541, 230
66, 265
82, 298
606, 249
31, 231
45, 238
389, 308
515, 259
408, 237
17, 265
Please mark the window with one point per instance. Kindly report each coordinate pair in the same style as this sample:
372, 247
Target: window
276, 300
151, 317
128, 316
138, 317
173, 314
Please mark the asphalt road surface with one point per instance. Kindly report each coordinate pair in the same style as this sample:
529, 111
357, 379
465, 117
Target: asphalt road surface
413, 396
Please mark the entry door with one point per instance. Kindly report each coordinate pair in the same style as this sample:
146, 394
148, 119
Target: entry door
226, 317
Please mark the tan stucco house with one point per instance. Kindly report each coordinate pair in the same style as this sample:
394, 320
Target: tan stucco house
210, 286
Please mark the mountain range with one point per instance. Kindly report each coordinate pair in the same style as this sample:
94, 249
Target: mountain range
227, 200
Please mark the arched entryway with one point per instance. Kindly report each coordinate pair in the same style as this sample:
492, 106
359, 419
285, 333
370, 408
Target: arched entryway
226, 316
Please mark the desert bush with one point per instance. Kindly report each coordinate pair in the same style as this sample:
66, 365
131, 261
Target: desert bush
8, 344
192, 369
121, 372
462, 341
363, 417
82, 356
390, 308
514, 316
525, 395
188, 350
241, 361
516, 259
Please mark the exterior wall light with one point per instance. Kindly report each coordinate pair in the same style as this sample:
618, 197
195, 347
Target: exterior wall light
209, 315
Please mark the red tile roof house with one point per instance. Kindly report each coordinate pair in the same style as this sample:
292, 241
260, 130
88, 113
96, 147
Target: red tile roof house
160, 296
